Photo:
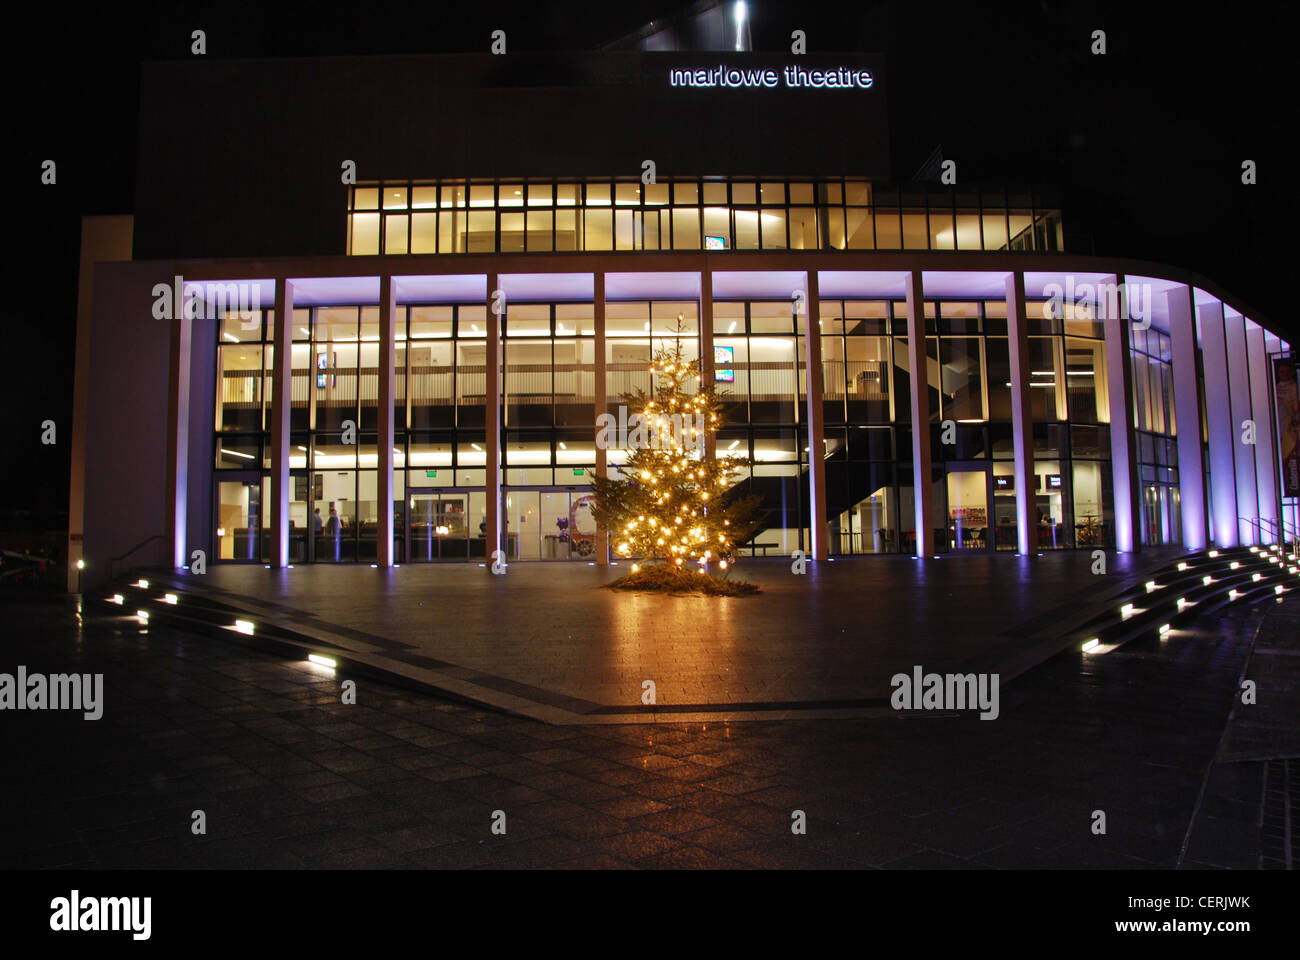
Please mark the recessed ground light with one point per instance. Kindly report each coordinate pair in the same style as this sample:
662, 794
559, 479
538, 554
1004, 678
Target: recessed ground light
1182, 566
1293, 569
1182, 602
1278, 588
322, 661
170, 598
1232, 594
1234, 565
1207, 579
118, 599
374, 566
1254, 549
1151, 585
1092, 644
1126, 610
1214, 553
1256, 577
1273, 560
142, 616
142, 584
244, 626
1164, 629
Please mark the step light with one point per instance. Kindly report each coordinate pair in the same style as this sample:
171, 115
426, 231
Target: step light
317, 659
1254, 549
1278, 589
1232, 594
1182, 602
1207, 580
142, 584
118, 599
1150, 585
170, 598
1234, 565
142, 616
244, 626
1182, 566
1213, 553
1091, 645
1164, 629
1256, 577
1126, 611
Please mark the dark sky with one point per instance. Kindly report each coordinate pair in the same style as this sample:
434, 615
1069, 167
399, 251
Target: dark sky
1146, 142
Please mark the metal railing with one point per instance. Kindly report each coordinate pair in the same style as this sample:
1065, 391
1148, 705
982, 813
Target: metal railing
143, 543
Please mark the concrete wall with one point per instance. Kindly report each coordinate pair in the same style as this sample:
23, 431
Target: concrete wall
126, 422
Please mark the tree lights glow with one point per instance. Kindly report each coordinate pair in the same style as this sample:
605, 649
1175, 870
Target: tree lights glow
673, 503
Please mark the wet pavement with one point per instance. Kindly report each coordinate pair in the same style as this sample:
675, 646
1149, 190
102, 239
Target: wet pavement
546, 640
288, 775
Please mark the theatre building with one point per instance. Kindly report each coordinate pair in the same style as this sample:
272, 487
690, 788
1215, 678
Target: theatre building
369, 310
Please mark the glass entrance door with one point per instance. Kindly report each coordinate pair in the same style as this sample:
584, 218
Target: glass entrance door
968, 507
241, 532
437, 525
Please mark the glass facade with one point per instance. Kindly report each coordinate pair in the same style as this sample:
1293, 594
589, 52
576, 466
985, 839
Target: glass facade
550, 369
406, 217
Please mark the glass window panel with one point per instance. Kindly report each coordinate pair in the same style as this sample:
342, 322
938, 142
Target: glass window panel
424, 233
598, 233
773, 193
627, 194
424, 198
395, 234
512, 232
540, 194
482, 232
857, 192
859, 227
686, 229
889, 235
962, 373
915, 235
365, 233
482, 195
511, 195
598, 194
773, 229
540, 225
394, 197
717, 223
801, 193
746, 229
566, 194
803, 228
995, 231
744, 193
365, 198
656, 194
566, 230
686, 193
715, 193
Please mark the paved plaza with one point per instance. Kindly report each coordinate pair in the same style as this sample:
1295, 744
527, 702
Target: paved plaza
546, 641
290, 776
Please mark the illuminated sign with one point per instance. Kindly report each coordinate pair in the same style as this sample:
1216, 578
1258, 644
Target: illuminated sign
724, 356
837, 78
715, 243
1007, 482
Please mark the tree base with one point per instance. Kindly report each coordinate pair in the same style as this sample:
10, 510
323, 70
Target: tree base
663, 578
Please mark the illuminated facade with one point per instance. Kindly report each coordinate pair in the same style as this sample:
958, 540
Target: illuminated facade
453, 341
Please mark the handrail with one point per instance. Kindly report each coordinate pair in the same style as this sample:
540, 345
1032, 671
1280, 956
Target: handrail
142, 543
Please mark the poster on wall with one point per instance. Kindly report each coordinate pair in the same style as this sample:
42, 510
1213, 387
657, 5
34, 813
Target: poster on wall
1288, 421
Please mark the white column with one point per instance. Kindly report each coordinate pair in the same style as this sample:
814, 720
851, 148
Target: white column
601, 399
1218, 416
819, 548
1022, 426
280, 398
922, 487
1266, 479
492, 426
1123, 452
384, 441
1234, 331
178, 421
1187, 413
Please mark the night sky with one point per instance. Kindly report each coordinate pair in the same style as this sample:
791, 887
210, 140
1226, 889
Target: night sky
1146, 142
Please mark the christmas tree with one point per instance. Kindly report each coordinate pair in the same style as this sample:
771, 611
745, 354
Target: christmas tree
672, 510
